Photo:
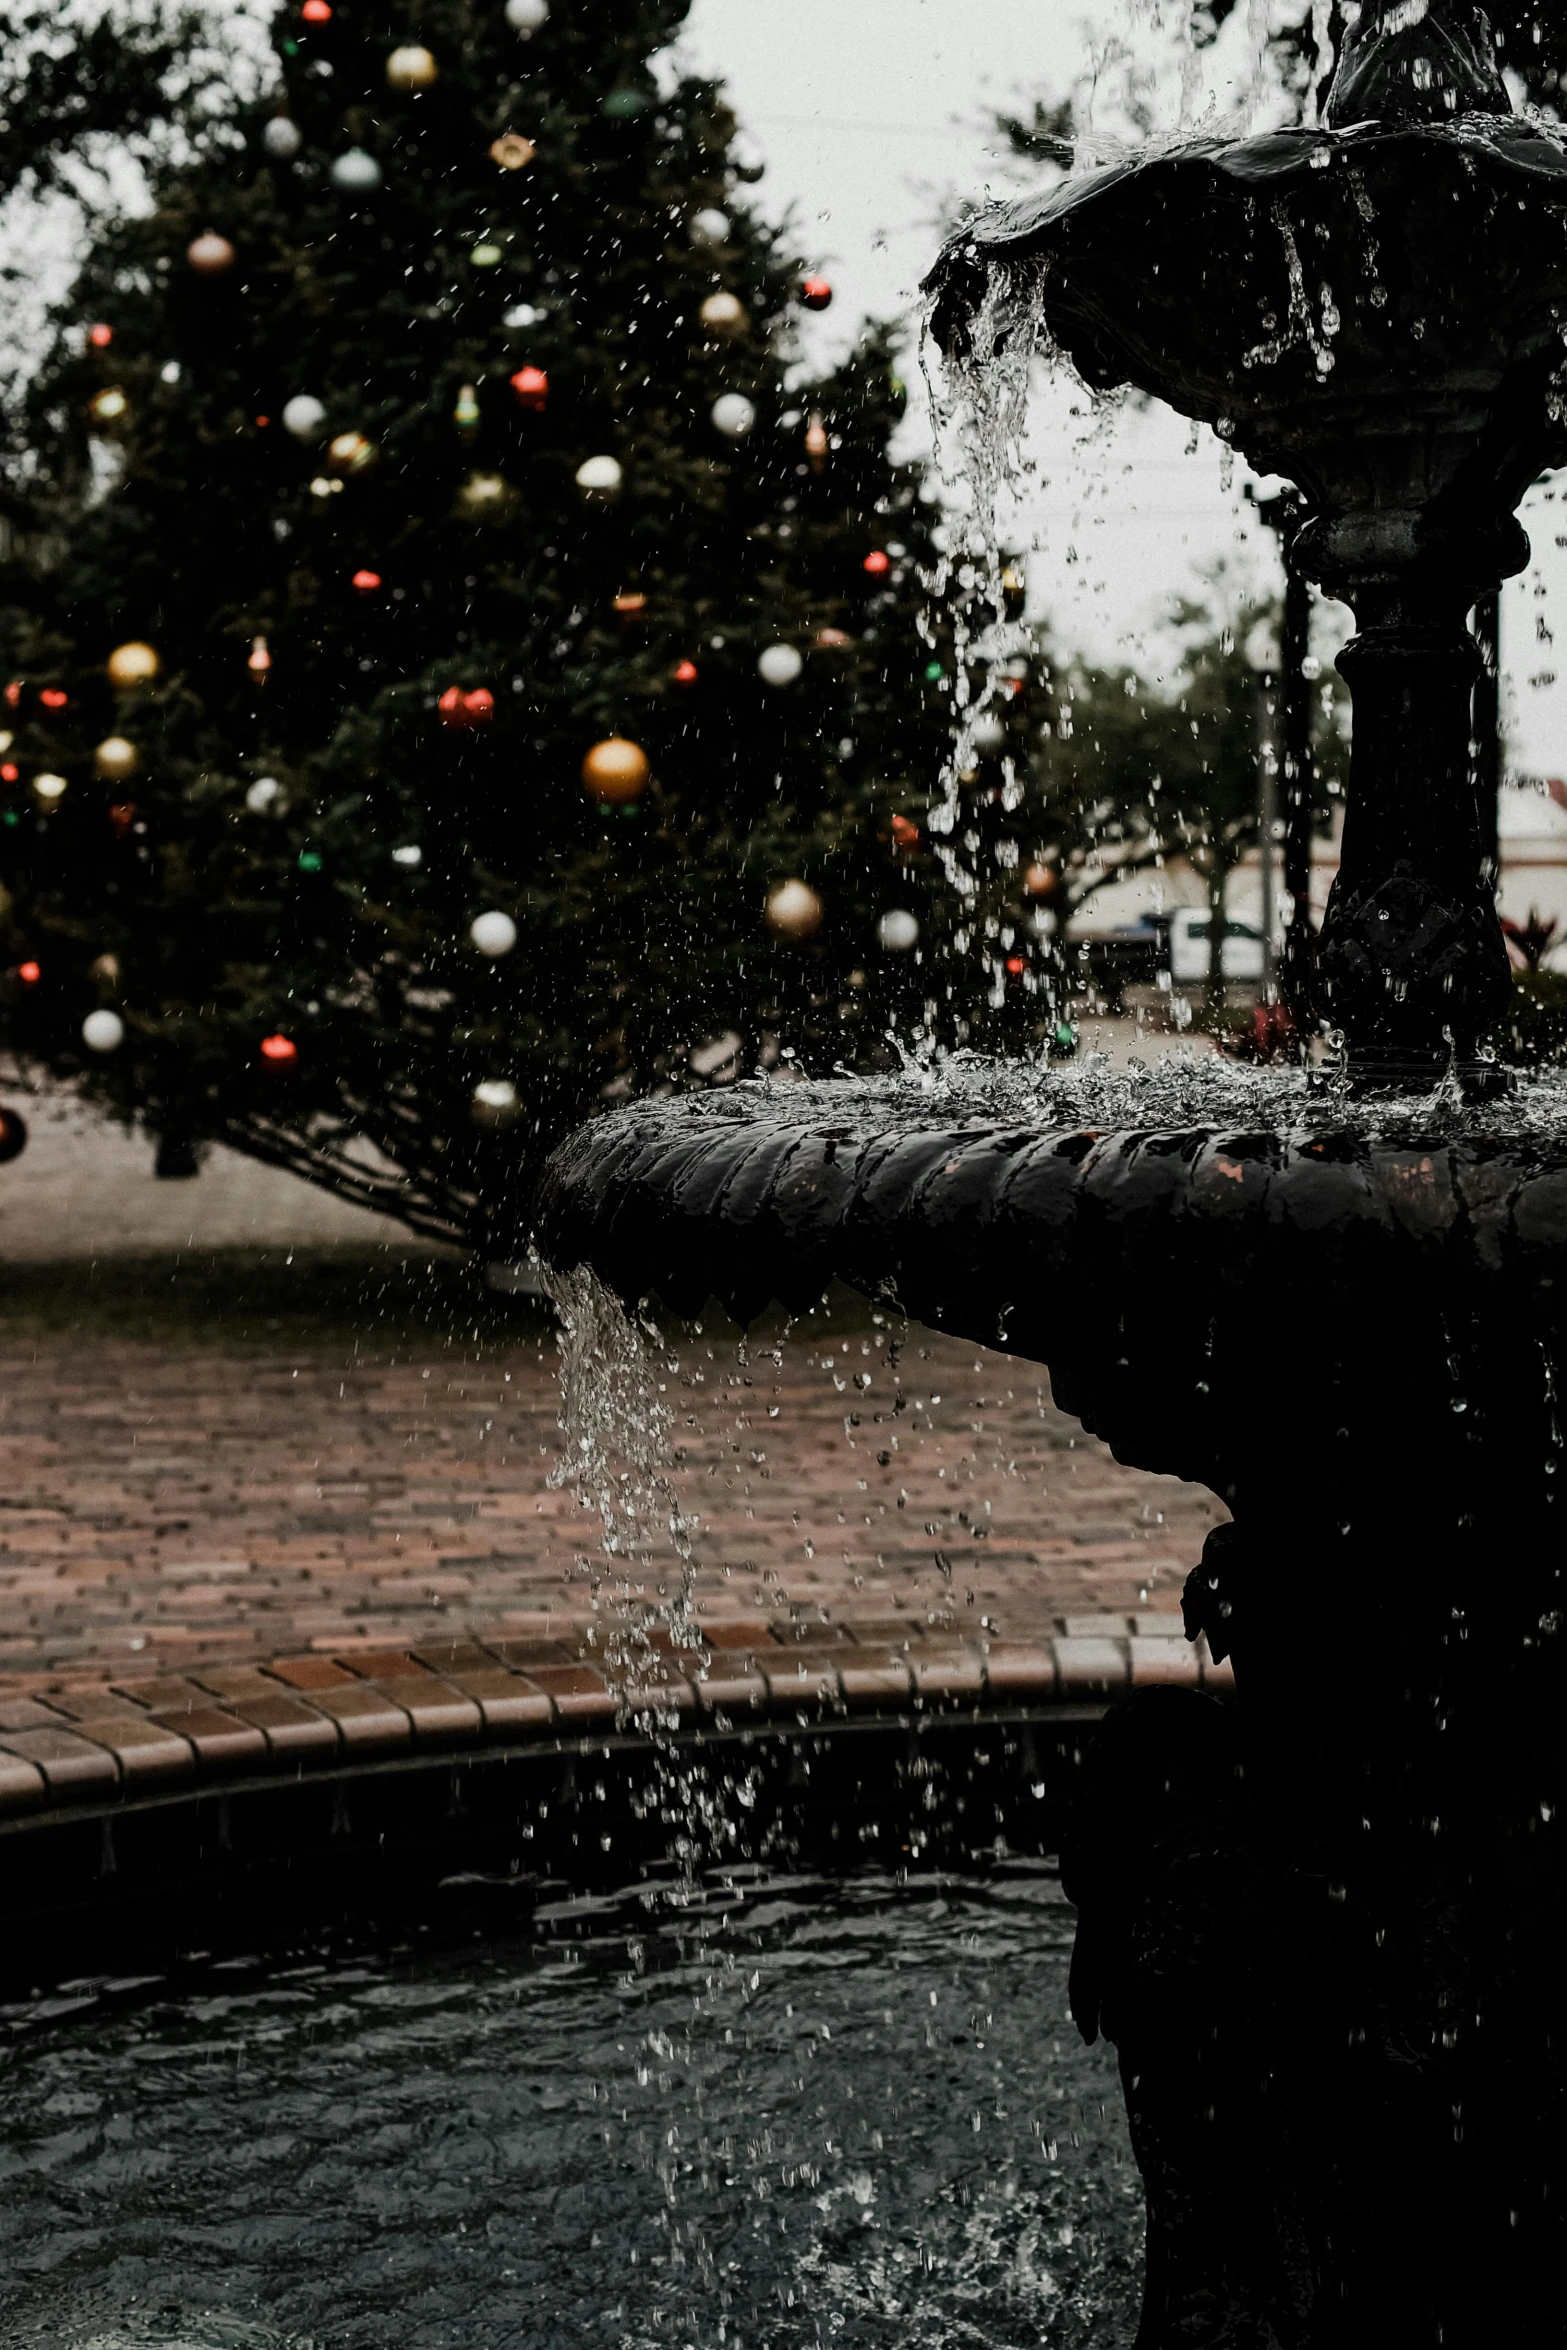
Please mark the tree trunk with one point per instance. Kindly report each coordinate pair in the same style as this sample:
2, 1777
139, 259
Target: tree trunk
1218, 931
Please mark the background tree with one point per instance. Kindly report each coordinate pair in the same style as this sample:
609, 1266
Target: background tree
131, 75
314, 429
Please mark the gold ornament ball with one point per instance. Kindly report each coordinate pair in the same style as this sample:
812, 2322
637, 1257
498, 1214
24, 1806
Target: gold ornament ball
116, 759
411, 68
512, 151
615, 771
133, 664
794, 910
49, 790
350, 452
486, 497
211, 255
1040, 881
725, 314
105, 969
109, 407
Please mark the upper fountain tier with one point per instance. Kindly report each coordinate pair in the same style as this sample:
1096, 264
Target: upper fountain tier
1374, 309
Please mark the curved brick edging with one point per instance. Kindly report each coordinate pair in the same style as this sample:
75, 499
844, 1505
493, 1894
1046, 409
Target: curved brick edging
220, 1726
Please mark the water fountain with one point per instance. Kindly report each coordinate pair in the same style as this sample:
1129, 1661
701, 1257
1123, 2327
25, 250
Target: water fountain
1324, 1930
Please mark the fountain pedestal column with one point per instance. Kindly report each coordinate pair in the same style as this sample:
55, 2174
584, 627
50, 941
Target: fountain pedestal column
1410, 968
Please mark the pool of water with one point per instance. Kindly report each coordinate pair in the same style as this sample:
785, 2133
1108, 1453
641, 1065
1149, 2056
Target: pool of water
752, 2114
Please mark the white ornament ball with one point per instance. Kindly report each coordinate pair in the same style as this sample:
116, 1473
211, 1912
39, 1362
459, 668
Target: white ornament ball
356, 173
897, 931
263, 795
710, 227
304, 417
526, 16
988, 735
601, 478
780, 665
493, 934
103, 1032
410, 855
282, 138
734, 416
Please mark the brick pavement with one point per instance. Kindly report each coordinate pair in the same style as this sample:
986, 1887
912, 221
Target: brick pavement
232, 1460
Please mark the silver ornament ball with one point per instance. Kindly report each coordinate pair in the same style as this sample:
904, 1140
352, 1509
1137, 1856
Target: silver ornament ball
304, 417
493, 934
734, 416
780, 665
356, 173
103, 1032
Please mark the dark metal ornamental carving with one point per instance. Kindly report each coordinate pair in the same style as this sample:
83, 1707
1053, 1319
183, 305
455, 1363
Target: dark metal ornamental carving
1326, 1929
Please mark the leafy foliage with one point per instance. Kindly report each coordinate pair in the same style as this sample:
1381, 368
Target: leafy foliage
338, 915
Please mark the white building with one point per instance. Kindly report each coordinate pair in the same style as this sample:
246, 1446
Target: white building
1533, 835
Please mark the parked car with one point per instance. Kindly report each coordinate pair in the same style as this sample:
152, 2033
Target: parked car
1188, 964
1113, 960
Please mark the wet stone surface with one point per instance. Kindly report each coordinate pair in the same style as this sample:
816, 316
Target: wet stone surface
771, 2112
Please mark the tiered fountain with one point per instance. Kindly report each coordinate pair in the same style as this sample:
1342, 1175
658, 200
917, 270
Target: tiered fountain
1327, 1929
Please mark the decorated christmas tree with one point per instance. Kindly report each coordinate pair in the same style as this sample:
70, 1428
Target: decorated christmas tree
459, 669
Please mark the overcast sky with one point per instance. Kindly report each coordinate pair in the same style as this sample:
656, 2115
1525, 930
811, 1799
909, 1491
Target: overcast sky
872, 117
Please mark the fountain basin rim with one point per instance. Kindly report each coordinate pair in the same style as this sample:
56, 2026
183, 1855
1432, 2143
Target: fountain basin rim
1269, 159
755, 1201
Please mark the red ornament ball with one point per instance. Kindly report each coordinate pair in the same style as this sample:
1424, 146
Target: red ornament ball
316, 12
532, 387
52, 698
367, 582
904, 834
29, 973
279, 1052
816, 294
686, 673
878, 563
13, 1136
100, 338
461, 709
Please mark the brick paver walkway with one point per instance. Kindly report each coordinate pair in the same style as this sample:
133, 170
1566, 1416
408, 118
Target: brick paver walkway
214, 1479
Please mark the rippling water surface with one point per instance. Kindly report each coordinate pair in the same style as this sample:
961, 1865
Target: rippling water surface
776, 2112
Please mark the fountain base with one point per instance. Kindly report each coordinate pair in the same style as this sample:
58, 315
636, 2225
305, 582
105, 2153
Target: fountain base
1326, 1933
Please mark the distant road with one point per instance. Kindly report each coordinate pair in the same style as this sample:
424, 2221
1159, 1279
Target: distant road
85, 1188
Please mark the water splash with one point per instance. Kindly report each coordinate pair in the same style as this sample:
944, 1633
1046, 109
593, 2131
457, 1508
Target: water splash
1173, 1090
